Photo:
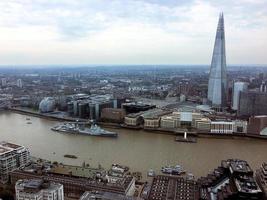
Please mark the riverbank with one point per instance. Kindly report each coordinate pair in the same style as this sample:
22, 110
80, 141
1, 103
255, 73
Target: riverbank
61, 116
55, 116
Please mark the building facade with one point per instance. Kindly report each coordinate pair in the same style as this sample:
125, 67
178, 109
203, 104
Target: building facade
252, 103
238, 87
12, 157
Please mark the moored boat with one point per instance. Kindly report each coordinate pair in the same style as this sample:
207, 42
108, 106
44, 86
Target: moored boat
151, 173
70, 156
75, 128
174, 170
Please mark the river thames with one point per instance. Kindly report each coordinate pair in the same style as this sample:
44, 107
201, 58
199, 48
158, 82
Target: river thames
139, 150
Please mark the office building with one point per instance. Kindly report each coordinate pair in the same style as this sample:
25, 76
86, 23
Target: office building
113, 115
37, 189
12, 157
252, 103
173, 187
217, 86
232, 180
257, 124
261, 178
93, 195
238, 87
19, 83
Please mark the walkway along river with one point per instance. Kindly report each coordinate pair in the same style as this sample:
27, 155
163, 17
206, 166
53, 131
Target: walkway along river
137, 149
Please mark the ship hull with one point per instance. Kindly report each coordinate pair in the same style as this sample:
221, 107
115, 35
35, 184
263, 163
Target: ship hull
85, 133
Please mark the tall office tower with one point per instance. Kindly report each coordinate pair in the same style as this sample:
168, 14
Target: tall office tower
238, 87
3, 82
263, 87
217, 88
19, 83
252, 103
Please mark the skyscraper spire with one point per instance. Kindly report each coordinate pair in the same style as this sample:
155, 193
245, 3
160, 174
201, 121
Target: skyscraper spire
217, 88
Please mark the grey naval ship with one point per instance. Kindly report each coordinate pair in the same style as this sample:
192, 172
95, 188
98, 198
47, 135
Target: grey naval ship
76, 128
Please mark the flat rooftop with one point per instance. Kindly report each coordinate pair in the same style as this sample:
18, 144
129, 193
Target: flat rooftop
10, 145
86, 172
104, 195
240, 166
7, 147
33, 183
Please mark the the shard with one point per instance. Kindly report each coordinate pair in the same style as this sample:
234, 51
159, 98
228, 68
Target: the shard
217, 88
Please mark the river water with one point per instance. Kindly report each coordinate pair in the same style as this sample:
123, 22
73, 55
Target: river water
139, 150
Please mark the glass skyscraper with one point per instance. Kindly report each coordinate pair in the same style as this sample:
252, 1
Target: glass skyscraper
217, 88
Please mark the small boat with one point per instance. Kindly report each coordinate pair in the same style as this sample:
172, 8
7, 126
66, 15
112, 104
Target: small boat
151, 173
29, 122
190, 176
70, 156
174, 170
28, 118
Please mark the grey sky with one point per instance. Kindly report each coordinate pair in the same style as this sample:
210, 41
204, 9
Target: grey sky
130, 31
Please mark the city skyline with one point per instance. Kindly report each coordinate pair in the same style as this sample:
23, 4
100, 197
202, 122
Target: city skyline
108, 32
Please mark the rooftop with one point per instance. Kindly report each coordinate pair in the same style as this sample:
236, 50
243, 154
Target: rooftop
7, 147
104, 195
32, 183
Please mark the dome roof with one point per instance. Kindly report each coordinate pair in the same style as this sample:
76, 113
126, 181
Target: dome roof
47, 105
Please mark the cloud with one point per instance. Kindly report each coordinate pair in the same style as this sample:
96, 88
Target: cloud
129, 31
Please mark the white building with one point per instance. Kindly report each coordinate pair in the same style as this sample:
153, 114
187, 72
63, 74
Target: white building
263, 87
37, 189
222, 127
19, 83
12, 157
238, 87
3, 82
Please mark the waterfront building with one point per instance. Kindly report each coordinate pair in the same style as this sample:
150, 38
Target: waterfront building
257, 124
222, 127
252, 103
136, 107
240, 126
217, 86
76, 180
113, 115
37, 189
152, 117
238, 87
173, 188
93, 195
91, 106
48, 104
178, 119
203, 124
134, 119
232, 180
170, 121
12, 157
261, 178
